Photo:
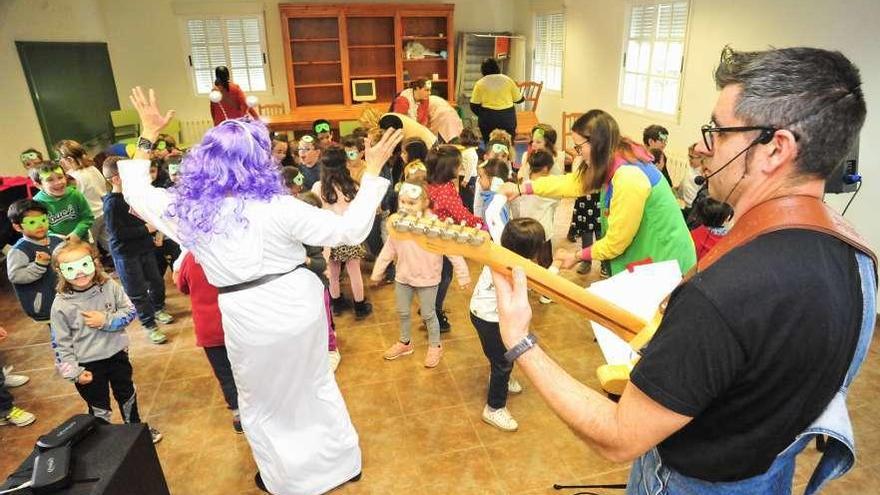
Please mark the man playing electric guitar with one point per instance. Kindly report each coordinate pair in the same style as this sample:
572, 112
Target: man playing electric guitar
756, 350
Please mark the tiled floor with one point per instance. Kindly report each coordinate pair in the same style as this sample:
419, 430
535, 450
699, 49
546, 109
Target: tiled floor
420, 430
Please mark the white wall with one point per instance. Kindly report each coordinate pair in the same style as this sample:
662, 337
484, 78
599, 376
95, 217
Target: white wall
593, 50
146, 49
34, 20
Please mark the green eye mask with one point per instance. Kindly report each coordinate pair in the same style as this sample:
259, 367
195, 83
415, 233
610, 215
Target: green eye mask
322, 127
352, 154
538, 133
33, 223
173, 168
499, 148
299, 179
161, 145
84, 265
49, 173
30, 155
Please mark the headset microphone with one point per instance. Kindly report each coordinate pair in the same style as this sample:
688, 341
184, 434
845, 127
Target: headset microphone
764, 138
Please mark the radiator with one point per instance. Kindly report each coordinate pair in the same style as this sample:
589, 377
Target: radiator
192, 131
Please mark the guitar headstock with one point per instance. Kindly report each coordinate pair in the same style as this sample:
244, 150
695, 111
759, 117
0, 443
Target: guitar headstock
442, 237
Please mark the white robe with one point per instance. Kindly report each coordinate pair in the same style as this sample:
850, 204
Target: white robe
291, 409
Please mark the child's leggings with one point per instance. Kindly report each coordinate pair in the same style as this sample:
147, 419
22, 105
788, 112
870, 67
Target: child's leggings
353, 267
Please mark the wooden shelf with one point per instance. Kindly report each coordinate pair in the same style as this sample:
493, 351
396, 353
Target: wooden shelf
372, 76
425, 60
318, 62
406, 38
313, 40
370, 46
322, 85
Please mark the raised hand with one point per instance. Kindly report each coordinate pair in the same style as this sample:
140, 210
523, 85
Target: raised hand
152, 119
375, 155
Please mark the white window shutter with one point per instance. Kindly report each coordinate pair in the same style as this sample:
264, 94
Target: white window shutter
234, 42
651, 69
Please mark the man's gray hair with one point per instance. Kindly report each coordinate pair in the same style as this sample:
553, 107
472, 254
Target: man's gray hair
816, 94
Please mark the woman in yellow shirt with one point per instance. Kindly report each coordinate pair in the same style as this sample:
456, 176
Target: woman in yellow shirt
640, 218
493, 100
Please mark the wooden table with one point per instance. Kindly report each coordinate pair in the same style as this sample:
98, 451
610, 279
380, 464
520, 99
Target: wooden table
301, 118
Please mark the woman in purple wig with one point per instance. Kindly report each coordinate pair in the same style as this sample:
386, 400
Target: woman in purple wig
229, 208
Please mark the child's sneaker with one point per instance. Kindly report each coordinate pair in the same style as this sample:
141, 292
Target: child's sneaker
339, 305
500, 418
155, 435
545, 300
12, 381
334, 357
513, 386
156, 336
443, 321
163, 317
432, 358
584, 267
236, 422
18, 417
399, 349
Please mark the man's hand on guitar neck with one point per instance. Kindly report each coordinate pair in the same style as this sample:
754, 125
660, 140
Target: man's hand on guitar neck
619, 431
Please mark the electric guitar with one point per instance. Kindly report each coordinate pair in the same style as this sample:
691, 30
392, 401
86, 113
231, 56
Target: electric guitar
448, 238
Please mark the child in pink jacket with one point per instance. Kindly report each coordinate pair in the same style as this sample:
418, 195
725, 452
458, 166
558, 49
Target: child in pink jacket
418, 272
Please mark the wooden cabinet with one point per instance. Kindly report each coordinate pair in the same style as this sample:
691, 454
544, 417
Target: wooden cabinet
327, 46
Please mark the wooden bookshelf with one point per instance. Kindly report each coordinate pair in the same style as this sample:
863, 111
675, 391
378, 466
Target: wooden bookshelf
329, 45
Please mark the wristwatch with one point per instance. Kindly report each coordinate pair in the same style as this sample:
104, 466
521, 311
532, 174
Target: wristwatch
529, 341
144, 144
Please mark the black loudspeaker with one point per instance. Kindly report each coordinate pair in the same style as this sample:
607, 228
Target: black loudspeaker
845, 177
112, 460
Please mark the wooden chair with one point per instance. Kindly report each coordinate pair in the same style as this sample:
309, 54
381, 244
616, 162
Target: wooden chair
531, 92
567, 141
271, 109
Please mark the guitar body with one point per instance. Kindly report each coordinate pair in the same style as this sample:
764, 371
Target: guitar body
448, 238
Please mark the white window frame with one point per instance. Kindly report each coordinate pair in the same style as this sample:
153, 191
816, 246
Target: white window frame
537, 46
187, 47
675, 115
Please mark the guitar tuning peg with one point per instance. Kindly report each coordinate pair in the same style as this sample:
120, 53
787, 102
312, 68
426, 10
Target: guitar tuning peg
449, 221
476, 239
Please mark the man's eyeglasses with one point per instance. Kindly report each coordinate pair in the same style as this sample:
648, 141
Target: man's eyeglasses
579, 146
708, 130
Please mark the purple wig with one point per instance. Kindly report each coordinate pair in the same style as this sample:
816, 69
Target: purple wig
232, 161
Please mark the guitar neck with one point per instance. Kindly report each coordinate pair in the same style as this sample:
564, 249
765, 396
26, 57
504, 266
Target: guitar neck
563, 291
458, 240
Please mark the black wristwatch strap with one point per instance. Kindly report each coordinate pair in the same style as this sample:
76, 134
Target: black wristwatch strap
144, 143
519, 349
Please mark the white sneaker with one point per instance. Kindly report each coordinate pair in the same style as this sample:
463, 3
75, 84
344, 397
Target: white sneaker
13, 381
500, 418
334, 357
513, 386
163, 317
545, 300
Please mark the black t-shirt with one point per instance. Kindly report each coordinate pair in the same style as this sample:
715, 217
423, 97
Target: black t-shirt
753, 348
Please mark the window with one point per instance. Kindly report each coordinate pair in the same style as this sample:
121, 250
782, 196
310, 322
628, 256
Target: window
236, 42
653, 57
547, 60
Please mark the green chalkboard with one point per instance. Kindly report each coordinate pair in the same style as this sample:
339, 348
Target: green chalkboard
72, 87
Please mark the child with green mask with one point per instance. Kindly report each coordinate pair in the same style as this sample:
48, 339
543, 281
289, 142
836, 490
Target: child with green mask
69, 213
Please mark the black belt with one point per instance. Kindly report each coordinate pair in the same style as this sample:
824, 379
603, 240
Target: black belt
256, 282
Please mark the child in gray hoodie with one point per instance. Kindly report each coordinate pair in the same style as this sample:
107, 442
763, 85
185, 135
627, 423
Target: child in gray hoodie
89, 316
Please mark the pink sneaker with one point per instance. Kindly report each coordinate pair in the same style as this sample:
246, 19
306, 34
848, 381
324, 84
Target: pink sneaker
397, 350
432, 358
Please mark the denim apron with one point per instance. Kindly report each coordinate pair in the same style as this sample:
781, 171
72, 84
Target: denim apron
649, 476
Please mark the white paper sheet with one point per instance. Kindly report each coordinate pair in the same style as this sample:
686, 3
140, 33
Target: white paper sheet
641, 292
